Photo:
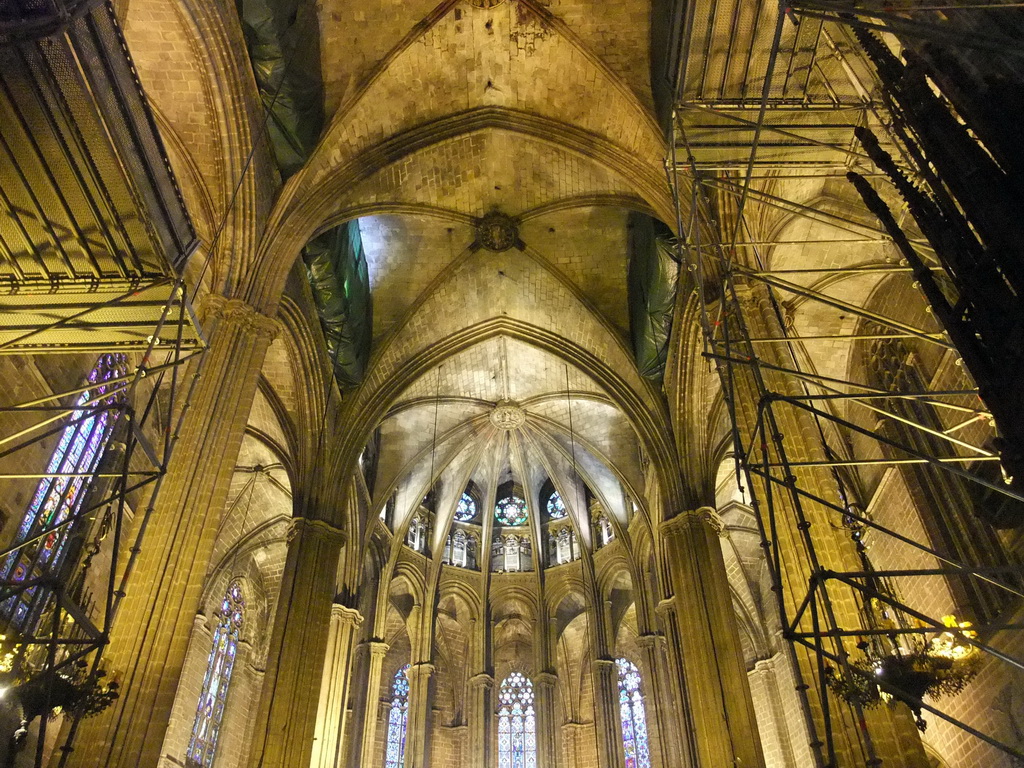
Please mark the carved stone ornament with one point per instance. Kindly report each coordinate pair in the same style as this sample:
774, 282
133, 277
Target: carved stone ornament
507, 415
713, 519
497, 232
485, 3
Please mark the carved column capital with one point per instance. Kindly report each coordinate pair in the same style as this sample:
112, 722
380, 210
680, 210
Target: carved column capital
651, 640
317, 529
666, 607
377, 648
239, 313
686, 521
421, 668
545, 680
346, 614
482, 680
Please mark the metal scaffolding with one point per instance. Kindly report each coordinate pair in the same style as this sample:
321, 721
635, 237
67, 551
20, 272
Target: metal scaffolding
94, 239
729, 147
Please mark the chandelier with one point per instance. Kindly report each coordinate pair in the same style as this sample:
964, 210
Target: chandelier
901, 661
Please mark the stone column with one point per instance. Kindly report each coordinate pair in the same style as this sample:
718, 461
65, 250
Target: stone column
256, 675
328, 749
417, 733
544, 686
883, 732
658, 701
287, 715
368, 757
764, 686
151, 631
606, 714
717, 693
481, 717
681, 739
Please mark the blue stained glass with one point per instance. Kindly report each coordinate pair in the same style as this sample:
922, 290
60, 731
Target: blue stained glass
517, 725
56, 499
398, 718
632, 716
202, 746
556, 507
511, 511
465, 510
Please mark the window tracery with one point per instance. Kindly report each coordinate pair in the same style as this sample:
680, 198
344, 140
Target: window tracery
632, 716
556, 507
398, 718
202, 745
511, 510
460, 550
606, 533
56, 499
465, 509
565, 546
416, 538
517, 733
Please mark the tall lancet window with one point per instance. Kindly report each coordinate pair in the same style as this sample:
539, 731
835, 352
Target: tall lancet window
394, 757
210, 712
56, 499
633, 716
517, 726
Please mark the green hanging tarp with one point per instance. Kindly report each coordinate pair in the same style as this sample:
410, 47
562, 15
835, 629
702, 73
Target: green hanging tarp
341, 288
651, 281
283, 41
282, 37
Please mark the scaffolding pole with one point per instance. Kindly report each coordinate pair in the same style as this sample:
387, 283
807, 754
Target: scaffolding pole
763, 455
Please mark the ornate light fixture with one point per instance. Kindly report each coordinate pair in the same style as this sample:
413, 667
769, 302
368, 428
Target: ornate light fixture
47, 693
903, 664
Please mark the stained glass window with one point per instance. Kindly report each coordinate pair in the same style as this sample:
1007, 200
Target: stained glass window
465, 510
210, 712
56, 499
511, 510
517, 726
632, 716
394, 757
556, 507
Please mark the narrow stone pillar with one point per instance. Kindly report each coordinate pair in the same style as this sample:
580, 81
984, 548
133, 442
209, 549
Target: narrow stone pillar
151, 631
287, 715
481, 717
680, 742
256, 675
417, 732
606, 714
657, 698
544, 687
716, 688
368, 756
328, 749
764, 686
